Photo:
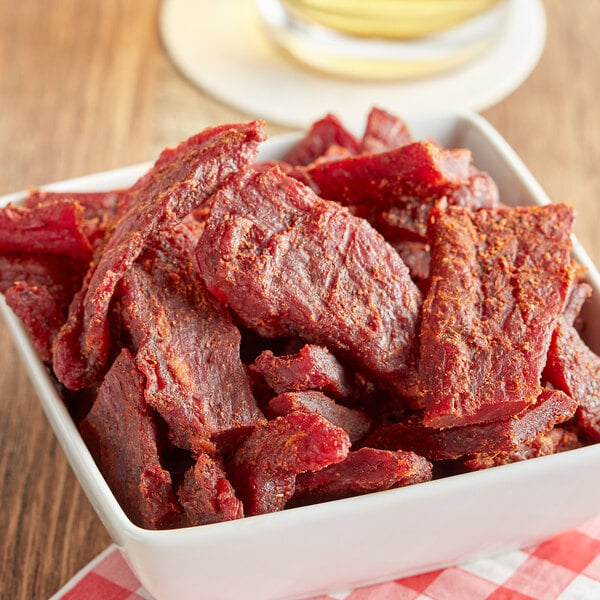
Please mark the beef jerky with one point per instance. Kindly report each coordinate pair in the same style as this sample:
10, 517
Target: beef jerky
361, 472
206, 495
52, 228
181, 180
383, 132
480, 191
506, 435
121, 435
322, 135
499, 281
353, 421
556, 440
575, 369
186, 345
60, 275
416, 256
264, 469
291, 264
312, 368
95, 204
40, 314
578, 294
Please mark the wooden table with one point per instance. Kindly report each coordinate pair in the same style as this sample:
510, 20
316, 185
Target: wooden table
86, 87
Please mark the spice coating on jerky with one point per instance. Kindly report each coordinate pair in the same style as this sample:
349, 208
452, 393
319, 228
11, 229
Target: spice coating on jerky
181, 180
499, 282
121, 435
290, 263
186, 345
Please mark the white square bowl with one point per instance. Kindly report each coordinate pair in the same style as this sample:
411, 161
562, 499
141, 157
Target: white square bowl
303, 552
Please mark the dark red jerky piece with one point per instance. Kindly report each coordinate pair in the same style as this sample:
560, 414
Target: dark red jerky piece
322, 135
552, 407
95, 204
353, 421
575, 369
480, 191
383, 132
206, 495
60, 275
556, 440
578, 294
187, 347
291, 264
312, 368
181, 180
264, 468
499, 282
69, 364
42, 317
52, 228
121, 435
416, 256
419, 169
361, 472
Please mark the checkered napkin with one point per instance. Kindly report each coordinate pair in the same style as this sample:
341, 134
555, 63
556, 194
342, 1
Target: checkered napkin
566, 567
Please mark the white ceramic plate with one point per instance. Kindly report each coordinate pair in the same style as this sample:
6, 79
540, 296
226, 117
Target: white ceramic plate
307, 551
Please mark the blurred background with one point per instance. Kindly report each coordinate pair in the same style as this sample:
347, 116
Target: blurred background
87, 86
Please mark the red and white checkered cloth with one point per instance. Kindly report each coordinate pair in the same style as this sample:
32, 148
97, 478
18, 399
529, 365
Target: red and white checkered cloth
566, 567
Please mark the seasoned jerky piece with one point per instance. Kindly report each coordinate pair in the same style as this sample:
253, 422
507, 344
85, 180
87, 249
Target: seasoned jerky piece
416, 256
312, 368
60, 275
324, 133
480, 191
506, 435
353, 421
121, 435
420, 169
182, 179
556, 440
206, 494
499, 281
383, 132
264, 468
364, 471
52, 228
95, 204
187, 347
39, 312
578, 294
575, 369
289, 263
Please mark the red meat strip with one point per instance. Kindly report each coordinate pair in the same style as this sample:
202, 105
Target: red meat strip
364, 471
421, 169
265, 467
322, 135
556, 440
289, 263
480, 191
187, 347
120, 433
578, 294
206, 494
61, 275
95, 204
182, 179
506, 435
39, 312
575, 369
383, 132
416, 256
52, 228
353, 421
499, 282
312, 368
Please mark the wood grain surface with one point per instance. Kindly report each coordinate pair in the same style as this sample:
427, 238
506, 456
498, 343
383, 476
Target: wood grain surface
86, 86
